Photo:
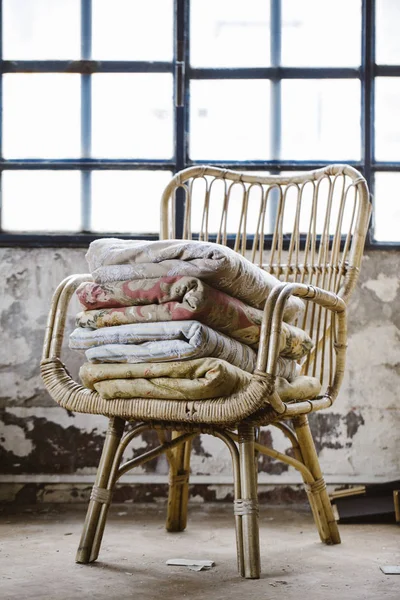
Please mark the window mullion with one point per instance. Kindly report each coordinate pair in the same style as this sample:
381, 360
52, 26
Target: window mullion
367, 83
86, 114
276, 47
276, 97
181, 58
367, 91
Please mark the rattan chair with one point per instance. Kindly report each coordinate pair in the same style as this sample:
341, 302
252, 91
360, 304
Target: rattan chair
314, 226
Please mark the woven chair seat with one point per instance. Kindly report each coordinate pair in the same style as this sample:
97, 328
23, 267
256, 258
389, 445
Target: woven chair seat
227, 410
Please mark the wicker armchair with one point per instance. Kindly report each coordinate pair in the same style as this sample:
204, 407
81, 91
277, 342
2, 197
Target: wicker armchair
314, 225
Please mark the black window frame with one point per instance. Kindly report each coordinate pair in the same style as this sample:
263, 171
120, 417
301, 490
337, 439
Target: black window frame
183, 74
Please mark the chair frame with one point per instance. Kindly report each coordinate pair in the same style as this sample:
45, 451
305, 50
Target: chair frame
234, 420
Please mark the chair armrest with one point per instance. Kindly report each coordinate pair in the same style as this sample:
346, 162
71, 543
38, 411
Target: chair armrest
74, 397
58, 313
268, 352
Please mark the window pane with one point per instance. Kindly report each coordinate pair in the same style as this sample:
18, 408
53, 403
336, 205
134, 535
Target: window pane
321, 119
132, 29
41, 116
41, 200
387, 207
321, 36
132, 116
127, 201
387, 32
229, 34
229, 120
387, 126
41, 29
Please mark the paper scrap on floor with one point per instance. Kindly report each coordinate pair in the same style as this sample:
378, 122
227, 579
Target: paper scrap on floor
391, 570
192, 564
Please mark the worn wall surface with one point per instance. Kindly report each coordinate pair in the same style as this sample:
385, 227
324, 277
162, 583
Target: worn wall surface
46, 451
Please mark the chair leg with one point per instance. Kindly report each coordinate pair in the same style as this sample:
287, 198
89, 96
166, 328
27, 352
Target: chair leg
178, 494
247, 506
101, 496
317, 493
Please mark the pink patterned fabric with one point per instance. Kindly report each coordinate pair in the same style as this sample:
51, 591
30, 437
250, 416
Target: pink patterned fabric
180, 298
112, 259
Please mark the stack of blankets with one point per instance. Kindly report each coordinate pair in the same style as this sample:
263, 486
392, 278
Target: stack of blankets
180, 319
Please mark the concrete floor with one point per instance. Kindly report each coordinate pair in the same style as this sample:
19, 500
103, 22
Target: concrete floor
37, 551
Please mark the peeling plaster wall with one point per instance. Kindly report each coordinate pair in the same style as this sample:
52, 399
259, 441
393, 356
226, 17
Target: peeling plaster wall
43, 445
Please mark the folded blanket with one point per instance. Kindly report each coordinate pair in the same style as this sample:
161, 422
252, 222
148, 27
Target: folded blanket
113, 259
187, 380
161, 342
176, 299
199, 379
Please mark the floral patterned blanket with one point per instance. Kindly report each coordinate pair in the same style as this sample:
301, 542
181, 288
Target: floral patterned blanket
180, 298
198, 379
112, 259
167, 341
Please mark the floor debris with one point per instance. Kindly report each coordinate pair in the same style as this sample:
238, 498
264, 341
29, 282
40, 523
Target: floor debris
391, 569
192, 564
372, 503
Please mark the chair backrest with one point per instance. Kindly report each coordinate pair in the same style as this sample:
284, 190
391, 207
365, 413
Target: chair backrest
308, 227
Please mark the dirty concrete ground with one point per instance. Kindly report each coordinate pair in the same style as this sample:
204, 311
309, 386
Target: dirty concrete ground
37, 548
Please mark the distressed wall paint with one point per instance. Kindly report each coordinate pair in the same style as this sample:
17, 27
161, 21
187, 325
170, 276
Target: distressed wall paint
61, 493
357, 439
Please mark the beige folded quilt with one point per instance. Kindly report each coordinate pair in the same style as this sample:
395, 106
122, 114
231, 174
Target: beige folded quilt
183, 380
112, 259
176, 299
198, 379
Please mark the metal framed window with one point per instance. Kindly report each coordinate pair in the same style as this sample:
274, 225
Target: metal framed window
102, 102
